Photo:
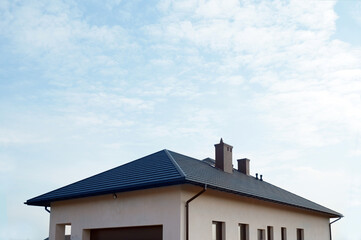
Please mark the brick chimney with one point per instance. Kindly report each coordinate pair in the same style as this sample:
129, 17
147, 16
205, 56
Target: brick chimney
243, 165
224, 156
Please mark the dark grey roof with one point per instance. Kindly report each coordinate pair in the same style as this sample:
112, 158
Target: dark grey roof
165, 168
67, 237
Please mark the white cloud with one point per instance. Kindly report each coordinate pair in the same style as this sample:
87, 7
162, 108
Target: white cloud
171, 86
64, 45
248, 27
58, 30
161, 62
104, 100
308, 82
231, 80
10, 136
104, 120
311, 82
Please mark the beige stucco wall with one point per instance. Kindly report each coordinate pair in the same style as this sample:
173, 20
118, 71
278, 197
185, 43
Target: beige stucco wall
166, 206
158, 206
232, 209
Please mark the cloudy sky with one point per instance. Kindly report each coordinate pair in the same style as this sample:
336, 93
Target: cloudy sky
90, 85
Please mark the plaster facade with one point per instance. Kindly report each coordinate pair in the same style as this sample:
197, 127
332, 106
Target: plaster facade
166, 206
157, 206
234, 210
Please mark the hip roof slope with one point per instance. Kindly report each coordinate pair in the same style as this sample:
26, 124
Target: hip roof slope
204, 172
165, 168
150, 171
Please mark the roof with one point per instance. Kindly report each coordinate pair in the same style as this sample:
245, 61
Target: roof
166, 168
67, 237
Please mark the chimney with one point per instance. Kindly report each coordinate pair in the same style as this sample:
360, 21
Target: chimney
243, 165
224, 157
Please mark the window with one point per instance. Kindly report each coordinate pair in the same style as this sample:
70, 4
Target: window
63, 231
261, 235
217, 230
68, 230
269, 233
243, 231
283, 233
299, 234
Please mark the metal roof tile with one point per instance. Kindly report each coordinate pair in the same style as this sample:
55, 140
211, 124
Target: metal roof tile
204, 172
152, 170
166, 168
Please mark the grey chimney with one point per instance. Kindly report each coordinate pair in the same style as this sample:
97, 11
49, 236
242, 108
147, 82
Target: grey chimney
224, 156
243, 165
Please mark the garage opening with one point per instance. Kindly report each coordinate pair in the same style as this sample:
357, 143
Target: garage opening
128, 233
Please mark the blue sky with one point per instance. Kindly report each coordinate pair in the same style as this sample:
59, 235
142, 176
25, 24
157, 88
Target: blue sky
90, 85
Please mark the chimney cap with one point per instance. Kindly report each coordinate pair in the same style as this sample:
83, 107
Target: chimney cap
222, 143
243, 159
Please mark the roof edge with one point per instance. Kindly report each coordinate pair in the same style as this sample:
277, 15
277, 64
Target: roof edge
46, 203
332, 214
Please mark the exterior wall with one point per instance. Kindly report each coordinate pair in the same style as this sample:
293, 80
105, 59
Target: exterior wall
166, 206
232, 210
158, 206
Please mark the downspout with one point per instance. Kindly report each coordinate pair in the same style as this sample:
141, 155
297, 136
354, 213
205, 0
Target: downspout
330, 226
46, 209
187, 209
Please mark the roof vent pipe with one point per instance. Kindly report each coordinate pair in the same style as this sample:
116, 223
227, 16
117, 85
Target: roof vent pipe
257, 176
260, 177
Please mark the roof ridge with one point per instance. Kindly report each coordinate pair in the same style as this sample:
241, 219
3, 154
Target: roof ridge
179, 169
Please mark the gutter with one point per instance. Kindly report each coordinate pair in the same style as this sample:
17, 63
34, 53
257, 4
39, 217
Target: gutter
330, 226
187, 209
45, 202
249, 195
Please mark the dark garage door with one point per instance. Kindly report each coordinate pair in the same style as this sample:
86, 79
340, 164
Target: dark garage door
128, 233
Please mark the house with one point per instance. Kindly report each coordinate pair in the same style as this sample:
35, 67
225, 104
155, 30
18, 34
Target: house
170, 196
67, 237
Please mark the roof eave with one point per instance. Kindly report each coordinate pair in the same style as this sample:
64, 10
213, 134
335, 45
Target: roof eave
332, 214
47, 202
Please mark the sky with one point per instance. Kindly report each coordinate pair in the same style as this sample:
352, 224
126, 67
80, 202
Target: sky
90, 85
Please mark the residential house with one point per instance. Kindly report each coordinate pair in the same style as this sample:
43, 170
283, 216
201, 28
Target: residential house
170, 196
